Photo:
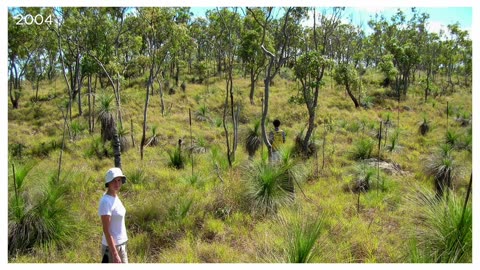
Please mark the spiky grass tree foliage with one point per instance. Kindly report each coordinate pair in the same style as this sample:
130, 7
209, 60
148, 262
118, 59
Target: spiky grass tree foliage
268, 186
177, 159
464, 119
97, 148
124, 142
442, 168
452, 138
77, 129
444, 234
254, 139
365, 174
202, 113
199, 146
362, 149
302, 234
424, 127
19, 173
154, 140
45, 222
105, 116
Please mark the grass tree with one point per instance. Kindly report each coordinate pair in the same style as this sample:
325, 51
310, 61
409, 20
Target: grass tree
177, 159
106, 117
267, 186
363, 148
441, 166
39, 221
253, 140
424, 127
154, 140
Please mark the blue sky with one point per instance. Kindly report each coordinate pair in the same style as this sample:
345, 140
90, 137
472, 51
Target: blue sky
440, 17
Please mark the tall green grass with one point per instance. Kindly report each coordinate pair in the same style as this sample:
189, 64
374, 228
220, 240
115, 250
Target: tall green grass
444, 234
302, 234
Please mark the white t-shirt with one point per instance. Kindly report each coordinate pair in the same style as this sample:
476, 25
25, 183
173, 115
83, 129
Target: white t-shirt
112, 206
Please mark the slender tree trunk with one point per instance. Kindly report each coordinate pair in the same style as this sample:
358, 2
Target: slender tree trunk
162, 102
324, 144
227, 136
350, 94
252, 85
80, 84
94, 99
90, 112
37, 87
145, 109
116, 91
232, 107
131, 132
266, 96
63, 147
177, 74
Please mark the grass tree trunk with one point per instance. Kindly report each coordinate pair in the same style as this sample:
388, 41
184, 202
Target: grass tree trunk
116, 148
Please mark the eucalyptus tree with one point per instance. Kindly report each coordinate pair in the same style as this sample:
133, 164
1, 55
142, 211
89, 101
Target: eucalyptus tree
276, 57
310, 67
214, 35
229, 41
401, 41
36, 70
250, 49
430, 60
162, 37
455, 52
198, 31
23, 46
71, 28
347, 44
345, 74
182, 17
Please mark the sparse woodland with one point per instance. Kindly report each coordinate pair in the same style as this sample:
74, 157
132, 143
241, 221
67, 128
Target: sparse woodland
377, 161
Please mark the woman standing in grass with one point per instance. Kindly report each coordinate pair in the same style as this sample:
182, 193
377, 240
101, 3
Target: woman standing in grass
112, 213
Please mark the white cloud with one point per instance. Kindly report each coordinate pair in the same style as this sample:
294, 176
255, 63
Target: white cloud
372, 9
435, 27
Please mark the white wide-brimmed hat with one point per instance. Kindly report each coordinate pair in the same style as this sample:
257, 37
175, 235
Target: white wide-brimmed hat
114, 173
